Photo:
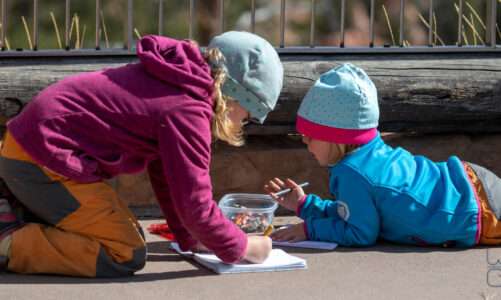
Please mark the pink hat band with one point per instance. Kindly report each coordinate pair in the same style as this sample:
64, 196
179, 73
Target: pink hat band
333, 134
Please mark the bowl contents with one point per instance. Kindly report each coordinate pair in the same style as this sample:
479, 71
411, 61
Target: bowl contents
250, 223
252, 213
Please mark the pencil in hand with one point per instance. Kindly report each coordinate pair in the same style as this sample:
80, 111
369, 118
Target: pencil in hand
288, 190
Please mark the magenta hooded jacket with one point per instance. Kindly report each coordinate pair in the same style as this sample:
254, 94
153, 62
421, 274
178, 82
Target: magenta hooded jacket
155, 114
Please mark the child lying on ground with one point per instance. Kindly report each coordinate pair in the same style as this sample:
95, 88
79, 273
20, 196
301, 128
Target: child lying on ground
380, 191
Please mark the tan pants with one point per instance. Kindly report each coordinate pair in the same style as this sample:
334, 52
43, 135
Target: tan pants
88, 231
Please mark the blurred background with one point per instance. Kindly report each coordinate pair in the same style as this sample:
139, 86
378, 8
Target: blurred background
237, 17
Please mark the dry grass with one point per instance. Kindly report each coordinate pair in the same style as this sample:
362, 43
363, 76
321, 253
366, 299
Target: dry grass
138, 35
77, 32
56, 29
389, 25
474, 12
27, 31
474, 36
7, 44
83, 36
105, 31
435, 29
470, 24
436, 37
78, 36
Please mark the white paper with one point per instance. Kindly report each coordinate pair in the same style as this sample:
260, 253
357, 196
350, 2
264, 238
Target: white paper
278, 260
307, 244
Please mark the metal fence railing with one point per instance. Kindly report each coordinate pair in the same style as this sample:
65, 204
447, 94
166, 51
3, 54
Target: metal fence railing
489, 46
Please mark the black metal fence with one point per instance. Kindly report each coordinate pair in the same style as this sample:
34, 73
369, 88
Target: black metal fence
490, 44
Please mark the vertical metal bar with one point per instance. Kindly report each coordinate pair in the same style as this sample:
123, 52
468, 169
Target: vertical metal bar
488, 6
371, 24
491, 23
312, 24
192, 19
35, 25
4, 24
98, 23
253, 16
460, 23
221, 16
402, 21
160, 16
67, 25
128, 32
282, 24
343, 11
430, 23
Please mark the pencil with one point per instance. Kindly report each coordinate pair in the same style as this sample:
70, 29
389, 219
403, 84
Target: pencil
268, 230
283, 192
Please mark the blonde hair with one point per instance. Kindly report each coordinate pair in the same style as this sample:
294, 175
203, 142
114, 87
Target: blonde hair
222, 127
343, 150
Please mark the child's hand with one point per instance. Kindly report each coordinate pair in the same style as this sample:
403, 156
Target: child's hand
289, 200
293, 233
258, 249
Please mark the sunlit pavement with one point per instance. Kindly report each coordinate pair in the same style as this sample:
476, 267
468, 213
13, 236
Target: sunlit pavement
381, 272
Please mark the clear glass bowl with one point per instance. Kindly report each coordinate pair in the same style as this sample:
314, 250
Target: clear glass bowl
251, 212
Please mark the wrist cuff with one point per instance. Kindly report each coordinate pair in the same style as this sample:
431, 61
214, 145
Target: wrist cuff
300, 205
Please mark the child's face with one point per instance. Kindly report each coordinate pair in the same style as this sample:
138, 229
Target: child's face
237, 113
326, 153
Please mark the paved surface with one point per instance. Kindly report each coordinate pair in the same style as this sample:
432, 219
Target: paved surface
381, 272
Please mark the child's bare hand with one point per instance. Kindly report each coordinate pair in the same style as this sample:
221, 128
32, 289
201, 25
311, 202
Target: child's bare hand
258, 249
289, 200
294, 233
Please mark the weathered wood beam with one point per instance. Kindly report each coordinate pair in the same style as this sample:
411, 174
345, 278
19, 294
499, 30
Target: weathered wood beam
429, 93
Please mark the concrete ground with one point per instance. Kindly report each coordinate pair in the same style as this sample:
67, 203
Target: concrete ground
381, 272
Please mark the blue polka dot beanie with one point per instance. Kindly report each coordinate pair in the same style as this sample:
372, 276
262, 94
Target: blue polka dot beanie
341, 107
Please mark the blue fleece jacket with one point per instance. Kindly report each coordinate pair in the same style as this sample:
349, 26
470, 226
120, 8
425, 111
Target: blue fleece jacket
388, 193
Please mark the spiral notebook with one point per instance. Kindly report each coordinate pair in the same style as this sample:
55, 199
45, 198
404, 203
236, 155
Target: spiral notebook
278, 260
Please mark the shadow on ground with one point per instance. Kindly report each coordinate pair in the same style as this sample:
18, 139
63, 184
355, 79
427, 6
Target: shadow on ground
381, 246
157, 252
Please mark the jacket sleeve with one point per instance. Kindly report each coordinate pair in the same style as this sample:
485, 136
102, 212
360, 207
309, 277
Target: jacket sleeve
315, 207
161, 189
184, 144
352, 220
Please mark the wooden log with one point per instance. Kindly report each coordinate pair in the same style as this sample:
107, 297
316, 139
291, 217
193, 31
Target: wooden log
427, 93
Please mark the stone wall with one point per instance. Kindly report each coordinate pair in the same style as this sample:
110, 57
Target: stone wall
246, 169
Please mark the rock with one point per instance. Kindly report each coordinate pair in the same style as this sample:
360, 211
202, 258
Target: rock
484, 150
246, 169
238, 170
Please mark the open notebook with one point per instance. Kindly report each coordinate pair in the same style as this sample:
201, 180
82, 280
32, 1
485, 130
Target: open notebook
278, 260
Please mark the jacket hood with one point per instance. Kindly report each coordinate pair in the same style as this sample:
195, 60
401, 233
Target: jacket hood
179, 63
